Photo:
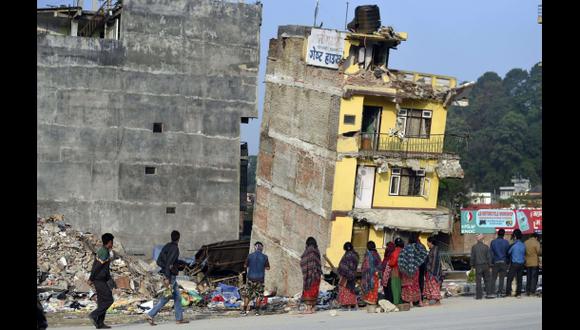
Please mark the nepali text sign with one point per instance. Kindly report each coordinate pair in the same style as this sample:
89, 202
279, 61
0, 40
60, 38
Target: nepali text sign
488, 221
325, 48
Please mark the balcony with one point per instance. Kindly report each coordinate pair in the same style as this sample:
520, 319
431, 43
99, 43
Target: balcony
434, 146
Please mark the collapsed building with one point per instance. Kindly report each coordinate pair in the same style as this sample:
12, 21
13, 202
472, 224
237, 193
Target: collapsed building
139, 105
350, 149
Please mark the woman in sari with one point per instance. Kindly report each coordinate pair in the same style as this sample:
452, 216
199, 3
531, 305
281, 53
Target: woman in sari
395, 278
387, 272
370, 270
410, 259
311, 273
433, 274
347, 271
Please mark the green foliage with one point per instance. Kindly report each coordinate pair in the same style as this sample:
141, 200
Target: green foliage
504, 120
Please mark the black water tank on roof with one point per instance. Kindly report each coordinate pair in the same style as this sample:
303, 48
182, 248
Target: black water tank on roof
367, 19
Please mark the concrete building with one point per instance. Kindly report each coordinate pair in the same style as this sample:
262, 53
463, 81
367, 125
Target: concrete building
139, 111
520, 187
483, 198
349, 150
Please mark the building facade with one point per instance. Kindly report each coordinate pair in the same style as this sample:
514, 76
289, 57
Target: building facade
139, 111
350, 149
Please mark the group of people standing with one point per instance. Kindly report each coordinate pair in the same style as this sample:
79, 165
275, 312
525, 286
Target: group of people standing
500, 258
408, 274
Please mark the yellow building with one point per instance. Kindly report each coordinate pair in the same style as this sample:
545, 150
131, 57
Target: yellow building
350, 149
392, 148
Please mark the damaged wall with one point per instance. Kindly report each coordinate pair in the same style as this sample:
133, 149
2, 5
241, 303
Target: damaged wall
296, 159
188, 64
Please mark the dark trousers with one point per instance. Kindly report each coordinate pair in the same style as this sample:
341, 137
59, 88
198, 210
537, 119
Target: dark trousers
532, 280
388, 292
482, 273
422, 278
104, 301
499, 268
516, 270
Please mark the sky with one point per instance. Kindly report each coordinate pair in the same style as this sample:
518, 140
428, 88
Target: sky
458, 38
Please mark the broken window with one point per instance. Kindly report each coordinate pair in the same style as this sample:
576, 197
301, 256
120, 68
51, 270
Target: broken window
369, 56
157, 127
406, 182
349, 119
150, 170
170, 210
415, 123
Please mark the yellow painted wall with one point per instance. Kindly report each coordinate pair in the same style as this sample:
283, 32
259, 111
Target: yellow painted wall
344, 179
423, 238
354, 107
389, 114
383, 199
340, 232
377, 236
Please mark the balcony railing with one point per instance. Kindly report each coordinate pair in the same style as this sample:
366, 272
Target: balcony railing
433, 144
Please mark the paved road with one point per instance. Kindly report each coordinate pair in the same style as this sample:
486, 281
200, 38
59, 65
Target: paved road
455, 313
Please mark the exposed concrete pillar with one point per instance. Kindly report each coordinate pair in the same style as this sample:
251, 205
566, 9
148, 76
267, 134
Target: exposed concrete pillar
74, 26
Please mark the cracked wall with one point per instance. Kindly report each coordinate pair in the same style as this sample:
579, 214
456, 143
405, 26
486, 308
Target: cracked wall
189, 64
296, 160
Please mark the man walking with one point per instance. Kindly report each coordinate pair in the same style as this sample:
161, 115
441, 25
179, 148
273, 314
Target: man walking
168, 261
518, 253
100, 275
481, 261
533, 253
256, 264
499, 251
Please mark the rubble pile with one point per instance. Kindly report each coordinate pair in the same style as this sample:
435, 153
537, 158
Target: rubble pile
64, 260
405, 88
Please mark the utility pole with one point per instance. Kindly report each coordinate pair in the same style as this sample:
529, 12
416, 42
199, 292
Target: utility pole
346, 16
315, 13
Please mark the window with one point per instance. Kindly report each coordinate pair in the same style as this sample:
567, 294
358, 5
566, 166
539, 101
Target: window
170, 210
416, 123
150, 170
157, 127
406, 182
349, 119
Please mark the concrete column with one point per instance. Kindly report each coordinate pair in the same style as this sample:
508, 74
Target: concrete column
74, 26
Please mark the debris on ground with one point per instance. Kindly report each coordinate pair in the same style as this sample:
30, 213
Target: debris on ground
64, 260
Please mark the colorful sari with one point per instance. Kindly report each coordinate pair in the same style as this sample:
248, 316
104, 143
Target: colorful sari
410, 290
347, 272
410, 259
371, 268
433, 275
311, 274
395, 276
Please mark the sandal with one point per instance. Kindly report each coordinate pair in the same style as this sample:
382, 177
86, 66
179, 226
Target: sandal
150, 320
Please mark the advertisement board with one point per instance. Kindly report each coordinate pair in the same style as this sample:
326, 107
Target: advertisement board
488, 221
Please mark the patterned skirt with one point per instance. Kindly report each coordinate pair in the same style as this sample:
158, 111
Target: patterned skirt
432, 291
386, 275
410, 287
372, 296
346, 296
310, 295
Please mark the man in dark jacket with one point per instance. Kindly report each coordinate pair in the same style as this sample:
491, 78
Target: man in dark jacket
481, 261
499, 250
168, 261
100, 275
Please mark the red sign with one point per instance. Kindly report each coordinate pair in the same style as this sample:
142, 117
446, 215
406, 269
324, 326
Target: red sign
528, 221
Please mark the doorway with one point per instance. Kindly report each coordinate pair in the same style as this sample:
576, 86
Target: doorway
364, 187
370, 127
